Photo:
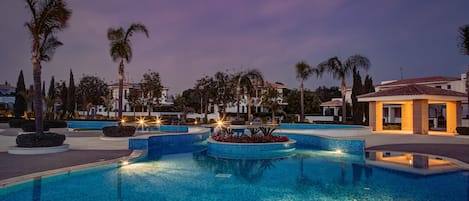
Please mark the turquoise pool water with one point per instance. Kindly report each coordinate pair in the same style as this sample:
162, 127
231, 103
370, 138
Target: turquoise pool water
309, 175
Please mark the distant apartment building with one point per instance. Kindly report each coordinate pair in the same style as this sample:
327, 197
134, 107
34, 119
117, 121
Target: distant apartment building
128, 87
7, 96
256, 103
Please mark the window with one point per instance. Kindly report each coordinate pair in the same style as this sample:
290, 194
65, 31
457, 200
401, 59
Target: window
449, 86
439, 87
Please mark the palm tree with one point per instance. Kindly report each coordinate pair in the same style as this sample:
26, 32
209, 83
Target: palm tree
108, 102
340, 70
303, 72
47, 18
246, 82
464, 47
121, 50
270, 98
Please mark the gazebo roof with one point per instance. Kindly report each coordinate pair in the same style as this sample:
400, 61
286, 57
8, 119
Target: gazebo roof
411, 92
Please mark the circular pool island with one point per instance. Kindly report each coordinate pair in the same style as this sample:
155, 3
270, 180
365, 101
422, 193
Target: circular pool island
267, 150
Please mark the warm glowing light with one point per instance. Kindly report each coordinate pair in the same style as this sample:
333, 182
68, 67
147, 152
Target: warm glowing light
220, 123
195, 122
158, 121
122, 121
338, 151
141, 122
410, 162
124, 162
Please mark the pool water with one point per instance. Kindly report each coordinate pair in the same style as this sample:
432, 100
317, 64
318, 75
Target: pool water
309, 175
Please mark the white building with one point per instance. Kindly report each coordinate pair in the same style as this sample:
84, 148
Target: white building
256, 100
126, 106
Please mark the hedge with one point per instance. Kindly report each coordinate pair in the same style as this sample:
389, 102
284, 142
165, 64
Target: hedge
463, 130
43, 140
18, 123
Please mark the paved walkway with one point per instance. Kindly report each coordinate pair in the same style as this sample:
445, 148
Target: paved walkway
88, 147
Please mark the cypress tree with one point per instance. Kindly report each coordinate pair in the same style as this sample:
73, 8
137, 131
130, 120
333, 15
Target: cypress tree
51, 92
20, 102
357, 89
70, 107
63, 96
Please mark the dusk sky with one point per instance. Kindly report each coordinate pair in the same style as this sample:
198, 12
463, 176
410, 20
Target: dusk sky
191, 38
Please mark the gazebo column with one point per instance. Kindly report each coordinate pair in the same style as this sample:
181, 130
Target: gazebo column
407, 116
420, 116
376, 115
453, 116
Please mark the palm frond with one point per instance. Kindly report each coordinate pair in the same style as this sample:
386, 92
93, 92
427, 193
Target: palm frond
135, 28
303, 70
115, 34
53, 13
356, 61
48, 47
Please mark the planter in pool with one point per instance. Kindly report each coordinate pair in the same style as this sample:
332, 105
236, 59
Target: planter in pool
250, 150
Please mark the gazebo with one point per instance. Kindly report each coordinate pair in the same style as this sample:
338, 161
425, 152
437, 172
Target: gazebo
414, 101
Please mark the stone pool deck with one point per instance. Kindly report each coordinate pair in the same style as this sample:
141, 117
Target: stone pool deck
87, 147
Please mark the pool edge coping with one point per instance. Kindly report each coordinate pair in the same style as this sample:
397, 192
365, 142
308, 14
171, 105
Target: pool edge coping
54, 172
462, 165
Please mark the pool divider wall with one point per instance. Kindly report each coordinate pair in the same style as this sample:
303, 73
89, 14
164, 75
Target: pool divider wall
316, 126
168, 141
250, 150
352, 146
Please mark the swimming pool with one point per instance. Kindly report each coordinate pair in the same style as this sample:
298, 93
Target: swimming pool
173, 170
310, 175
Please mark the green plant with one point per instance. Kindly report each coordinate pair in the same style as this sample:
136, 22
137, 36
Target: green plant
119, 131
44, 140
267, 131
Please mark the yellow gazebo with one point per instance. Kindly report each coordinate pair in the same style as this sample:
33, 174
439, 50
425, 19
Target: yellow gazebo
414, 101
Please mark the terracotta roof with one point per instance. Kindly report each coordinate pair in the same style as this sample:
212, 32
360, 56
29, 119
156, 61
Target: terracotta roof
414, 89
332, 103
421, 80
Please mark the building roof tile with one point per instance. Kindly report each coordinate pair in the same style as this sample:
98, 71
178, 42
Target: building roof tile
413, 89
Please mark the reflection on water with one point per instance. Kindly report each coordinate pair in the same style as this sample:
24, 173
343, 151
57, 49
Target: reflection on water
249, 171
37, 189
410, 163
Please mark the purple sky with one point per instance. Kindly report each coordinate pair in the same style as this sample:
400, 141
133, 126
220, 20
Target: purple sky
191, 38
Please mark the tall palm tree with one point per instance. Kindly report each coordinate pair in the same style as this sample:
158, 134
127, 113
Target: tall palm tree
246, 82
121, 50
47, 18
303, 72
340, 70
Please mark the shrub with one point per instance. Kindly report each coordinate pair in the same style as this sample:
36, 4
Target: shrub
119, 131
463, 130
238, 122
44, 140
18, 123
31, 127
